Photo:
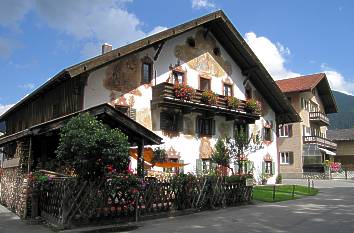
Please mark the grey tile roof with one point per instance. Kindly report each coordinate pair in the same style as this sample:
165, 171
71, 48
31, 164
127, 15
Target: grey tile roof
341, 134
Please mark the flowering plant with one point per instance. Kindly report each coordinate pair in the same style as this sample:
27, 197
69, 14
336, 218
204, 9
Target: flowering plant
232, 102
183, 91
209, 97
335, 166
253, 106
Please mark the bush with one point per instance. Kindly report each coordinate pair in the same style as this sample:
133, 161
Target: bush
209, 97
253, 106
93, 149
279, 179
183, 91
232, 102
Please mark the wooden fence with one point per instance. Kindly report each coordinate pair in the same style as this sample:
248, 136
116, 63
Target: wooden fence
69, 202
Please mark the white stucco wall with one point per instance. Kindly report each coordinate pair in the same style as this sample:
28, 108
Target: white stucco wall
187, 145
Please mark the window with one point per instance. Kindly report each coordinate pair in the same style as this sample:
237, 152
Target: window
147, 73
268, 168
285, 131
286, 157
227, 90
289, 99
239, 127
171, 121
205, 126
267, 134
178, 77
206, 165
204, 84
304, 104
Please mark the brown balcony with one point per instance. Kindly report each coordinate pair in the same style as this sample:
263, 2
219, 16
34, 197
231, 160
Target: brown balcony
322, 142
319, 118
163, 96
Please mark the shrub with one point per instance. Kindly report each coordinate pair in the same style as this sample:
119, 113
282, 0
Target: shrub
232, 102
279, 179
183, 91
93, 149
253, 106
221, 155
159, 155
209, 97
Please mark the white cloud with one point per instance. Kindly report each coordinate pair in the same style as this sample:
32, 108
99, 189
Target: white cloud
13, 11
272, 55
7, 47
198, 4
337, 80
28, 86
4, 108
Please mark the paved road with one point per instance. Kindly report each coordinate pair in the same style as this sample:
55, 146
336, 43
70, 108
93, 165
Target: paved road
332, 210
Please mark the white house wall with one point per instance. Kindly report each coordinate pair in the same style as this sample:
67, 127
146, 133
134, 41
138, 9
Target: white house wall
137, 96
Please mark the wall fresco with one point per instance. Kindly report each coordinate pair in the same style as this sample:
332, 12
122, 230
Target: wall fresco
172, 153
144, 117
205, 149
224, 129
201, 57
123, 74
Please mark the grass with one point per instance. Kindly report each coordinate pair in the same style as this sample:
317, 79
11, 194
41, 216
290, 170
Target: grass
282, 192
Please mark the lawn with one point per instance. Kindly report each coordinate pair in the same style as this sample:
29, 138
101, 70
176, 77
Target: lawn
282, 192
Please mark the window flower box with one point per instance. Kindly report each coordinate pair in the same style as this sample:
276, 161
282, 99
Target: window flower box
209, 97
232, 102
253, 106
183, 91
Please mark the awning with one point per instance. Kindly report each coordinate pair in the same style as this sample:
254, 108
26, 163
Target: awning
328, 152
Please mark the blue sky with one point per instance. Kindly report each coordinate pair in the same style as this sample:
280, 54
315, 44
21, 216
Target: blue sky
39, 38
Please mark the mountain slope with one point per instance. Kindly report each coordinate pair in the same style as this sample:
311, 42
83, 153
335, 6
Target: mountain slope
345, 116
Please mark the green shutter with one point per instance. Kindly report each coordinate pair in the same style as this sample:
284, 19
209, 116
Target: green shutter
291, 157
273, 168
197, 126
213, 166
213, 126
181, 169
290, 128
180, 122
199, 166
263, 167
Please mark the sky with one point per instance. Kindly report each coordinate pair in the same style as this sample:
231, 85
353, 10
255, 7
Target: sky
39, 38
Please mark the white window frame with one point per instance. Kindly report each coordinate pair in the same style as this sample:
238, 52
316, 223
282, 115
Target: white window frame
284, 131
285, 155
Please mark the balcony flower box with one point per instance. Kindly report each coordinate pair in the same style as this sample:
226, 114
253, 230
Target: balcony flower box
209, 97
183, 91
253, 106
232, 102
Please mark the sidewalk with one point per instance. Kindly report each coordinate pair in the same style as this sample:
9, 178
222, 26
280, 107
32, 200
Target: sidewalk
11, 223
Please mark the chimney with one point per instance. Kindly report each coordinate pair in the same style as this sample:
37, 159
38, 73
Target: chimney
106, 48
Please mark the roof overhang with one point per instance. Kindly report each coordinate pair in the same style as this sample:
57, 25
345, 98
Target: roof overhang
328, 152
104, 112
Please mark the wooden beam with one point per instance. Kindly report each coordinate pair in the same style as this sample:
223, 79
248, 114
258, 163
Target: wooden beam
140, 159
159, 50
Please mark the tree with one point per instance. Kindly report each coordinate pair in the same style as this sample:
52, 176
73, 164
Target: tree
221, 154
92, 148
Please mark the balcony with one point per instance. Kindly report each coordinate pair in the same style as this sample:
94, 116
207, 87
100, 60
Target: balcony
321, 142
319, 118
163, 96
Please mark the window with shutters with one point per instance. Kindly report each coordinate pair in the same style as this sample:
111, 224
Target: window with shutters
171, 121
239, 127
285, 131
205, 126
206, 165
286, 158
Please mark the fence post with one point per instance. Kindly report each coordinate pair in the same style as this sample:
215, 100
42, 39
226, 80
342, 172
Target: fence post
293, 194
137, 207
346, 173
273, 192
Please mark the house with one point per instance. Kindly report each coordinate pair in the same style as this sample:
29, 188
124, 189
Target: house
345, 145
132, 87
304, 146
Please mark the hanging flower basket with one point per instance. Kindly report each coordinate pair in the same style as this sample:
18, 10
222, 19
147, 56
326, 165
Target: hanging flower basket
253, 106
232, 102
209, 97
183, 91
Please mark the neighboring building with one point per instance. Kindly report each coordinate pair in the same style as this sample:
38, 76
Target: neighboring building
206, 53
304, 146
345, 145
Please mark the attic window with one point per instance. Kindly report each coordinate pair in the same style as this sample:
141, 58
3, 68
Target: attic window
146, 70
191, 42
217, 51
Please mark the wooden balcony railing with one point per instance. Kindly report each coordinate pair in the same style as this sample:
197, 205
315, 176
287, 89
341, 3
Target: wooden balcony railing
163, 92
320, 141
319, 118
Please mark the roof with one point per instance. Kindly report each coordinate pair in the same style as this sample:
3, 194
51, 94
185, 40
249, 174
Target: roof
341, 134
105, 112
221, 27
308, 83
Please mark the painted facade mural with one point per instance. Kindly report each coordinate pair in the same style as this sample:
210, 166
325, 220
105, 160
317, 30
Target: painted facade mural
197, 53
